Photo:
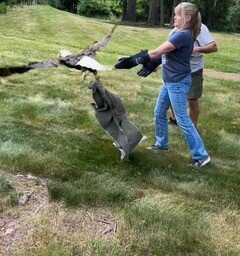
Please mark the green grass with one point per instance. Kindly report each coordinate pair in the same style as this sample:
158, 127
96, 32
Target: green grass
227, 58
9, 196
48, 128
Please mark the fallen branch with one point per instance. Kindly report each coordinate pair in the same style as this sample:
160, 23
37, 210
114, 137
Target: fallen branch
98, 220
25, 198
107, 230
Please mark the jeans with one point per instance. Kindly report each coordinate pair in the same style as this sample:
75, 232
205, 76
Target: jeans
175, 95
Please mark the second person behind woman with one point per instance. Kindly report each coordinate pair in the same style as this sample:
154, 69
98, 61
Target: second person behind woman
176, 74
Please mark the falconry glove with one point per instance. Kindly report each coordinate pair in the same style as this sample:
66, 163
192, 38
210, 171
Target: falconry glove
149, 67
133, 61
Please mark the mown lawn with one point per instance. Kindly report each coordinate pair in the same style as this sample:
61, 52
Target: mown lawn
48, 128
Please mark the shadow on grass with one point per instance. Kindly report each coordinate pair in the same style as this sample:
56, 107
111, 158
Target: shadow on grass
85, 168
91, 172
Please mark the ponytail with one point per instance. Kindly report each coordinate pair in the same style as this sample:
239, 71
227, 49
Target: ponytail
194, 24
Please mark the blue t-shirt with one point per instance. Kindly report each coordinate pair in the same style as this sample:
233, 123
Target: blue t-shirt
176, 64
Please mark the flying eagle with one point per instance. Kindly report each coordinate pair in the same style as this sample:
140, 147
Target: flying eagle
83, 61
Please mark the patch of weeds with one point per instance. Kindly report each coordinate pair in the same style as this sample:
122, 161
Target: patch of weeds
8, 193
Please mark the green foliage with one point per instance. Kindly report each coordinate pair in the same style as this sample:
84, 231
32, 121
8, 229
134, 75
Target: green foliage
4, 1
93, 8
48, 128
7, 191
3, 8
233, 19
142, 10
5, 185
213, 12
17, 2
115, 7
54, 3
218, 15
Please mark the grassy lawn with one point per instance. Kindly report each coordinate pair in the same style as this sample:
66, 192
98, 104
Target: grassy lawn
48, 128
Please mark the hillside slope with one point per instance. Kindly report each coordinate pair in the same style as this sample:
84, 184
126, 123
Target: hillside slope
159, 205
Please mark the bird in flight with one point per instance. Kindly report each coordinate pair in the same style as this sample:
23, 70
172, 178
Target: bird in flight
83, 61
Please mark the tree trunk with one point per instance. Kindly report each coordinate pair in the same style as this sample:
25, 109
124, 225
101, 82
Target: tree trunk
162, 13
130, 13
175, 3
153, 14
124, 9
72, 8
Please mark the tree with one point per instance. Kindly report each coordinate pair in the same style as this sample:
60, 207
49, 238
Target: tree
214, 12
70, 5
124, 10
233, 18
175, 3
154, 14
162, 13
129, 10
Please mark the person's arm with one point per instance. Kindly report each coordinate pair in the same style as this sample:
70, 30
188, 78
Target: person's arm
160, 50
144, 56
209, 48
175, 42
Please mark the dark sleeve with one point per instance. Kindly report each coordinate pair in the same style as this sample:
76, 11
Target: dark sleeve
179, 39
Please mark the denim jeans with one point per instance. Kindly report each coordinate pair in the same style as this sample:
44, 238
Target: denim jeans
175, 95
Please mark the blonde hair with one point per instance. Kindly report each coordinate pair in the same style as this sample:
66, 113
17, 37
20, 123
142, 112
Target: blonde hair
194, 24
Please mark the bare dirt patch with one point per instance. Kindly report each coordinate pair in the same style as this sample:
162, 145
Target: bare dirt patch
230, 76
28, 229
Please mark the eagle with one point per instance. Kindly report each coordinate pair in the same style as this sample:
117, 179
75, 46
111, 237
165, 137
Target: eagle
83, 61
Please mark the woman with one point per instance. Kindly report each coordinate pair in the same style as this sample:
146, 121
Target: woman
176, 53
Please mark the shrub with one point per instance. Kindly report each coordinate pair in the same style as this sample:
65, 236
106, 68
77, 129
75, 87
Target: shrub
116, 8
233, 18
214, 13
56, 4
92, 8
3, 8
8, 193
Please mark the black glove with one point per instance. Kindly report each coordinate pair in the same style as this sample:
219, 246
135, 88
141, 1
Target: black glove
132, 61
149, 67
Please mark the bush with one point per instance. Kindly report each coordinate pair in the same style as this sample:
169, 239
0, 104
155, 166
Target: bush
93, 8
56, 4
8, 193
15, 2
214, 13
116, 8
233, 18
45, 2
3, 8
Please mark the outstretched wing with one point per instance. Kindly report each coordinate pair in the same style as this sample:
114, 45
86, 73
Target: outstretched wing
7, 71
92, 49
66, 58
84, 60
13, 70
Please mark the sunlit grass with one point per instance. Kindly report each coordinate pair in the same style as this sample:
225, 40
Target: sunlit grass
48, 127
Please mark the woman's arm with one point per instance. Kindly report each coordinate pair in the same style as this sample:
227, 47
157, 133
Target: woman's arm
160, 50
144, 56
